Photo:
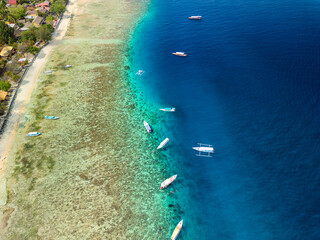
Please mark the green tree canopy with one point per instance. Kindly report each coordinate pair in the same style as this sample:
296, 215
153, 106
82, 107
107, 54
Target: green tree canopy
17, 12
43, 33
4, 85
6, 33
58, 8
49, 18
29, 35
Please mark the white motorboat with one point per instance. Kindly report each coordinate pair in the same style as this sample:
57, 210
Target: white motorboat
147, 126
167, 182
163, 143
176, 231
180, 54
168, 109
68, 66
195, 17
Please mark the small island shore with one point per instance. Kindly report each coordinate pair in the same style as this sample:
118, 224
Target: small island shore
27, 85
91, 174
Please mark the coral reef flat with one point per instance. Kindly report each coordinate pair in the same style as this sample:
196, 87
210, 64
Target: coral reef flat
92, 173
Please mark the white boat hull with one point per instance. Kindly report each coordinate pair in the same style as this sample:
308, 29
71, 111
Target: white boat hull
33, 134
163, 143
176, 231
147, 126
167, 182
180, 54
168, 109
204, 149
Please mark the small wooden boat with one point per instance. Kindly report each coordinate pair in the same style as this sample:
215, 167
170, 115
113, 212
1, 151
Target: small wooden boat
204, 150
51, 117
147, 126
168, 109
163, 143
33, 134
180, 54
176, 231
195, 17
167, 182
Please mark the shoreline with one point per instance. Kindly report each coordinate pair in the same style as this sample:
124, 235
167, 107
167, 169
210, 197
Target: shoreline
88, 162
26, 87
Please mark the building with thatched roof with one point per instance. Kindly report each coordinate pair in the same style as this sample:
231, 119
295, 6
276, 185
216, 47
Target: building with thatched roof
3, 95
6, 52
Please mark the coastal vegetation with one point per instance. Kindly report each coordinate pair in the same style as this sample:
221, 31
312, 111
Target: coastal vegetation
78, 179
25, 26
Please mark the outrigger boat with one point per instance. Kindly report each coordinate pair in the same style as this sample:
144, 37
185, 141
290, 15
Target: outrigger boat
33, 134
140, 72
168, 109
180, 54
204, 150
176, 231
51, 117
167, 182
163, 143
195, 17
147, 126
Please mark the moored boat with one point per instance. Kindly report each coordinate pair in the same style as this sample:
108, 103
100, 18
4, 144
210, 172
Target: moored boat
163, 143
176, 231
195, 17
180, 54
168, 109
33, 134
140, 72
204, 149
51, 117
147, 126
68, 66
167, 182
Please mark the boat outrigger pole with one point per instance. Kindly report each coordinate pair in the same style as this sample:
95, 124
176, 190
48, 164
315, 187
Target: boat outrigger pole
204, 150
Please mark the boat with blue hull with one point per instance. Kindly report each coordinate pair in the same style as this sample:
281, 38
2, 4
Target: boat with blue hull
51, 117
33, 134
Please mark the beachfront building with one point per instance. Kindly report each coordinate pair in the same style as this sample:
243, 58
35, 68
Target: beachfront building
6, 52
3, 95
37, 22
31, 7
12, 2
44, 4
31, 14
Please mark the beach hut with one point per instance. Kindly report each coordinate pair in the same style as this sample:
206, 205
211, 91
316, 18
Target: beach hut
6, 52
3, 95
37, 21
12, 2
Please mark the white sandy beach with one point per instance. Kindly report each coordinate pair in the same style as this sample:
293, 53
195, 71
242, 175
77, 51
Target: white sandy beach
27, 85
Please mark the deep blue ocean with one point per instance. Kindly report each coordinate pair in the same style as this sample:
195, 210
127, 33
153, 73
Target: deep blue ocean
250, 86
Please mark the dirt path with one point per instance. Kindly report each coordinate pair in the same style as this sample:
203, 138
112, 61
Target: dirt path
27, 85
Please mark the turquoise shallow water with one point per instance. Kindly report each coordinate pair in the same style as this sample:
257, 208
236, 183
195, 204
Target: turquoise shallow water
249, 86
